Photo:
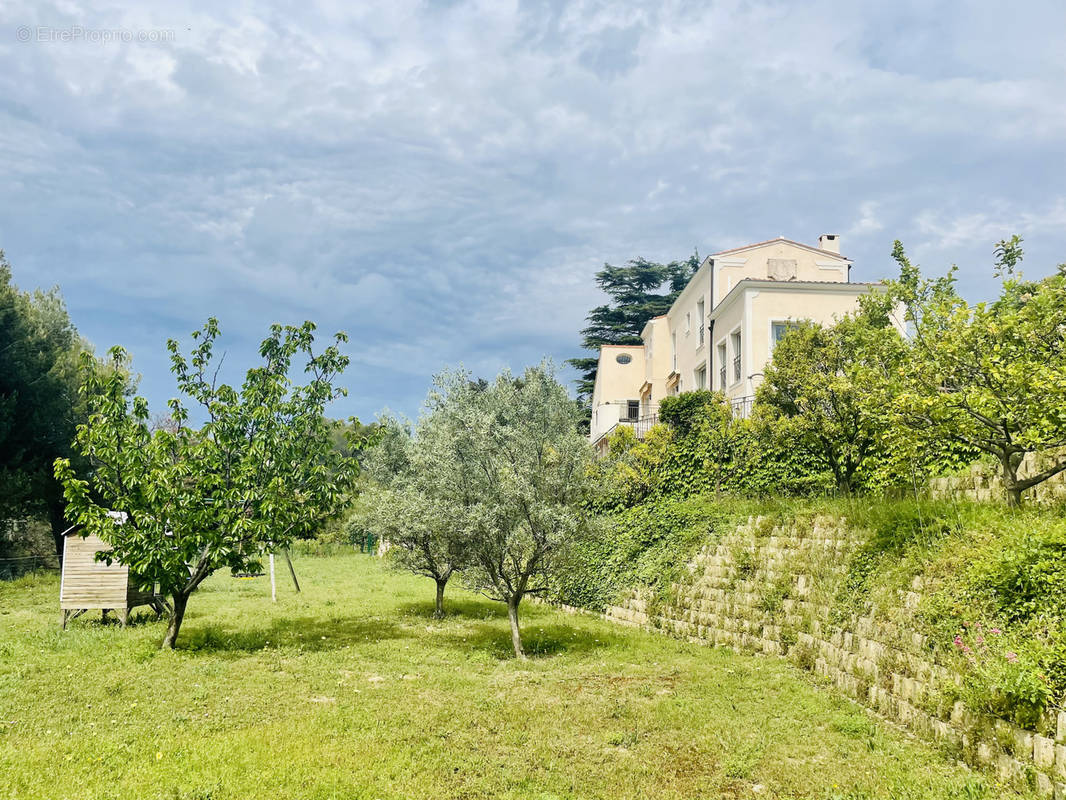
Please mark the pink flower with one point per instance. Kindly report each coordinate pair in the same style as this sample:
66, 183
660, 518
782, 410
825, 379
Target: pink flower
958, 642
1011, 656
995, 630
980, 640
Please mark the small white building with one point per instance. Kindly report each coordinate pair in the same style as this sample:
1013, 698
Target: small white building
720, 332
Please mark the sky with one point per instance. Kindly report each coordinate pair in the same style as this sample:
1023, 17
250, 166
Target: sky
442, 180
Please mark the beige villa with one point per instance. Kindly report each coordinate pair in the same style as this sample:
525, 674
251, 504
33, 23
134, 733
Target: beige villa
720, 332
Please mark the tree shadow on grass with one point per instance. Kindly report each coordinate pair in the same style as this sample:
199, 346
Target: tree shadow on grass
539, 641
465, 608
307, 633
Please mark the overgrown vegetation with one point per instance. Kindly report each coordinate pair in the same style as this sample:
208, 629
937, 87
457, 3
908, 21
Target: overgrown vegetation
646, 546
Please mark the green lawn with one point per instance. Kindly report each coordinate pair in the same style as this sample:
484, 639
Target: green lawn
352, 690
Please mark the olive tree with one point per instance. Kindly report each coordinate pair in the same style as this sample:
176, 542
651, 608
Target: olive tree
417, 502
261, 470
991, 376
519, 458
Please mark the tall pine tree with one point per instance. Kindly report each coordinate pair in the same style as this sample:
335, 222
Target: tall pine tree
639, 290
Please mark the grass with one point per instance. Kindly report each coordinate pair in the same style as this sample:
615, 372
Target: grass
352, 690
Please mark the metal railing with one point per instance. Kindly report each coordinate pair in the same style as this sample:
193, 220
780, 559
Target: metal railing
644, 424
736, 368
741, 406
640, 428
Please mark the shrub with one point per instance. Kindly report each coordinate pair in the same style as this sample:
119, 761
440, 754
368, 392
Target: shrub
685, 411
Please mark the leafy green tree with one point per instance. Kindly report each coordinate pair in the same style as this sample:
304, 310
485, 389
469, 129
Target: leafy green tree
261, 471
352, 438
39, 405
390, 457
827, 387
515, 447
420, 499
637, 294
991, 376
420, 532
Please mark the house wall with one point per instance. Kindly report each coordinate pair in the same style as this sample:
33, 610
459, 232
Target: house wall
656, 336
615, 384
683, 320
732, 305
811, 265
728, 319
770, 305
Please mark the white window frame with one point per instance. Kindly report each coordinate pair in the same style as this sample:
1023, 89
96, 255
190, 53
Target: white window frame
736, 336
721, 348
701, 319
771, 343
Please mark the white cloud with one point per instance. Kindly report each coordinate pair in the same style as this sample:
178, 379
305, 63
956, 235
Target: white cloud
442, 179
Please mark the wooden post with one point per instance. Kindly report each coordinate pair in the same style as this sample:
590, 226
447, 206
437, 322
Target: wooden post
292, 572
273, 585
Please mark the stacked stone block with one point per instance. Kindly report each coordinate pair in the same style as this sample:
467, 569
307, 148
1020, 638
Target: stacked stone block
983, 483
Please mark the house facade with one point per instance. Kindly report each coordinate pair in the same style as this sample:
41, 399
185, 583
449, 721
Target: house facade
721, 331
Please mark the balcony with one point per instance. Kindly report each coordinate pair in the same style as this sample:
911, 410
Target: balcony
640, 427
741, 406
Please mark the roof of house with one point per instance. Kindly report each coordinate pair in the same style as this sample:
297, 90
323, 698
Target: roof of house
778, 240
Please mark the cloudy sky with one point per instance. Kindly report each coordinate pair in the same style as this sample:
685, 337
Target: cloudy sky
442, 179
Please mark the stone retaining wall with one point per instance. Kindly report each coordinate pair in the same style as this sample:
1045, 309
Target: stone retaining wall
982, 483
771, 590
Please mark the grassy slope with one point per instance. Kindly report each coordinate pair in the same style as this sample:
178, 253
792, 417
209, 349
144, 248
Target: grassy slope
352, 690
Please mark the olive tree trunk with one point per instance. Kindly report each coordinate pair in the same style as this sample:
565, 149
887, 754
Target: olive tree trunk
512, 616
439, 610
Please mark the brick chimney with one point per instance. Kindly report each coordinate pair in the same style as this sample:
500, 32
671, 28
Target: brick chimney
830, 242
